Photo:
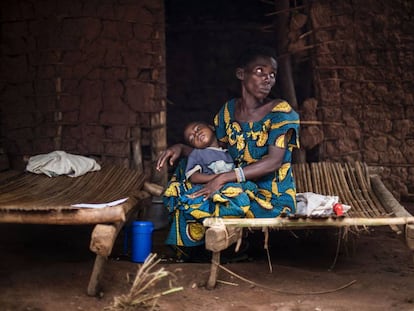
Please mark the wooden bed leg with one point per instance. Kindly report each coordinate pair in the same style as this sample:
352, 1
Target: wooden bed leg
215, 261
94, 281
218, 239
102, 241
409, 236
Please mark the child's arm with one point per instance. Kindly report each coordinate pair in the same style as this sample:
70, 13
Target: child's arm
200, 178
172, 153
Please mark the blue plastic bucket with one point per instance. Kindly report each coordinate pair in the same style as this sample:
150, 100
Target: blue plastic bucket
141, 240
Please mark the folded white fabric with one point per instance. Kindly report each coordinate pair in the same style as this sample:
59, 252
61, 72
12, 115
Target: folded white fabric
61, 163
313, 204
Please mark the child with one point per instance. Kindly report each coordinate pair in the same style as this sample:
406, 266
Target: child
207, 157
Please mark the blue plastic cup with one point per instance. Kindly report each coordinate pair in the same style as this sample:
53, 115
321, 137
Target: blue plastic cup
141, 240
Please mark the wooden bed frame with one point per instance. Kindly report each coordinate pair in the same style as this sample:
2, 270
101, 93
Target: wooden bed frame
27, 198
372, 204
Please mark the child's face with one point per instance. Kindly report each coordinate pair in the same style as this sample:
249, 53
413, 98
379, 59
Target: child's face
199, 135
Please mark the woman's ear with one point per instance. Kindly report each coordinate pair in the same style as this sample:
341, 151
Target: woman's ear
240, 73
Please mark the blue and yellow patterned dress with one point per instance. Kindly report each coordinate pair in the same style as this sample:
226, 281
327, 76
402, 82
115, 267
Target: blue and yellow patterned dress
187, 214
247, 143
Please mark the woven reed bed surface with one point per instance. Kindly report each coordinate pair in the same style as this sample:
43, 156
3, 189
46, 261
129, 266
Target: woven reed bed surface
349, 181
23, 191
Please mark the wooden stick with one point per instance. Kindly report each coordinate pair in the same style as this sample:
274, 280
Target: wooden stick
392, 205
84, 216
136, 149
212, 280
287, 10
153, 188
227, 283
388, 200
283, 222
97, 272
158, 144
391, 164
310, 122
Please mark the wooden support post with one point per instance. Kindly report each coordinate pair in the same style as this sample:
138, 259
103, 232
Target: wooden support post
409, 236
102, 241
215, 261
97, 272
137, 162
158, 144
217, 239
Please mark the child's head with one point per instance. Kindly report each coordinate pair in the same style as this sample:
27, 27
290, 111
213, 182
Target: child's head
200, 135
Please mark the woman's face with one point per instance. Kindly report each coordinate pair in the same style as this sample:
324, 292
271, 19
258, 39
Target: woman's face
259, 76
199, 135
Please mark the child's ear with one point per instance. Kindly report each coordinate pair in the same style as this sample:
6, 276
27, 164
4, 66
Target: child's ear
240, 73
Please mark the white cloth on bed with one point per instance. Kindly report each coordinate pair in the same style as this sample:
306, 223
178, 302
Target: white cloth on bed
61, 163
313, 204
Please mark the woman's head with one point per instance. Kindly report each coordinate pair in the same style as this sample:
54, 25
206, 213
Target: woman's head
200, 135
257, 68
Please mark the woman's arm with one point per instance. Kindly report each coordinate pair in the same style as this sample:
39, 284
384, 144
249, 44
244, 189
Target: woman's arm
269, 163
172, 153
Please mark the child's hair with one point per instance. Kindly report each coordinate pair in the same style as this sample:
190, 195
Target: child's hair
252, 52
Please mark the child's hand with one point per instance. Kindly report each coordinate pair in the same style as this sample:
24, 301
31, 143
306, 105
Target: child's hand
171, 154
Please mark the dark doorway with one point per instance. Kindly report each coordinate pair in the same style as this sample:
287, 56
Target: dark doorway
203, 38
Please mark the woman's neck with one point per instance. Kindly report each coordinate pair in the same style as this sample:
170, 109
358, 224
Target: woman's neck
251, 109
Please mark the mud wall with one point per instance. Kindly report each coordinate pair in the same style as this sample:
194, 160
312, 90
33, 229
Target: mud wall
90, 77
87, 77
363, 64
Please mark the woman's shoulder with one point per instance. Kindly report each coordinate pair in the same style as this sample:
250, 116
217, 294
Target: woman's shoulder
281, 105
226, 112
282, 113
229, 104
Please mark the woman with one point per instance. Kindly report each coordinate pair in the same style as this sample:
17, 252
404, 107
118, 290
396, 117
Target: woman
260, 134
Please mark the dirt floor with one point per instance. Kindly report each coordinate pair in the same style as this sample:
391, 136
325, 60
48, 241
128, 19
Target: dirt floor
47, 268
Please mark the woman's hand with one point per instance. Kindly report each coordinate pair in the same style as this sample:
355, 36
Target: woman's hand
170, 154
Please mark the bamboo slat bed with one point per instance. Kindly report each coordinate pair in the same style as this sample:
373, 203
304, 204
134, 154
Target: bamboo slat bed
372, 204
27, 198
351, 182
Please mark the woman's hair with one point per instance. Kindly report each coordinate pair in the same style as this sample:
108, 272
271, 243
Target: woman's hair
253, 52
